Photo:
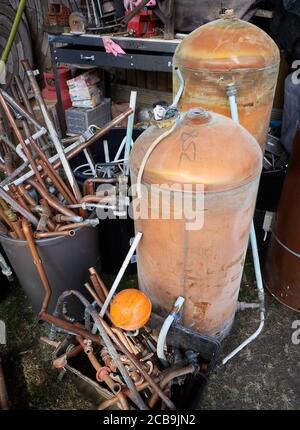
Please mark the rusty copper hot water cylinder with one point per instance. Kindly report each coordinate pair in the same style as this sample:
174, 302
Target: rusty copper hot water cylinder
204, 264
282, 266
230, 51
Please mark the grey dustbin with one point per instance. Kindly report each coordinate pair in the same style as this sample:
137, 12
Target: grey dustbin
66, 260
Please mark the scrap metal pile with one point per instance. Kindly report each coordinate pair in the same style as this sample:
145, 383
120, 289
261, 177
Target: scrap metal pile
39, 190
124, 361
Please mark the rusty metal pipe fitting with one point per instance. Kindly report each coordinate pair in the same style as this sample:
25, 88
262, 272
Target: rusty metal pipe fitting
62, 218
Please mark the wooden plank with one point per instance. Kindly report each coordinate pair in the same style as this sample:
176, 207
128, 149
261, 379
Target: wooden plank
145, 97
151, 80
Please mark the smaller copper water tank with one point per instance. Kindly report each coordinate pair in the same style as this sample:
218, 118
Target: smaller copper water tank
282, 267
204, 265
230, 51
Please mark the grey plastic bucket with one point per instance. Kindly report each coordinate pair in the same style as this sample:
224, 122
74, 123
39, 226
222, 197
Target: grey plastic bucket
66, 260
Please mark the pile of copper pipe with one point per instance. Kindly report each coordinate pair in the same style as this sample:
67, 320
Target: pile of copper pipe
102, 374
129, 352
44, 174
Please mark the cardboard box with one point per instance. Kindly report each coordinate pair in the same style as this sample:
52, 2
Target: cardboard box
90, 103
86, 93
86, 80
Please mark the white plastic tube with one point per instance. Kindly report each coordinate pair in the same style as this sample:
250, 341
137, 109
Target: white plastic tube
161, 343
121, 273
231, 92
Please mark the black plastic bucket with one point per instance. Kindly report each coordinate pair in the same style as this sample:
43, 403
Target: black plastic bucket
66, 260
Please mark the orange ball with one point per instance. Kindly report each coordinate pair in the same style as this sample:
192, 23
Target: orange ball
130, 309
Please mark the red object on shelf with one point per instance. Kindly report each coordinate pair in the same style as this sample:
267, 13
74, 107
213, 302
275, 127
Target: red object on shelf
49, 92
143, 23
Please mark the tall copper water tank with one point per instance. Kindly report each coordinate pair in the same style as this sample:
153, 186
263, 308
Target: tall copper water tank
282, 266
228, 51
205, 265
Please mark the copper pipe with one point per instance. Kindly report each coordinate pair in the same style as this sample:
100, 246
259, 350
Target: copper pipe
10, 219
18, 230
103, 374
5, 219
88, 185
138, 366
96, 298
38, 262
108, 360
99, 322
110, 402
58, 183
96, 136
54, 176
27, 104
124, 340
93, 294
62, 361
18, 196
4, 403
94, 139
47, 235
72, 226
70, 328
24, 121
23, 95
170, 375
52, 201
30, 200
94, 272
97, 288
51, 129
88, 188
15, 205
20, 139
17, 106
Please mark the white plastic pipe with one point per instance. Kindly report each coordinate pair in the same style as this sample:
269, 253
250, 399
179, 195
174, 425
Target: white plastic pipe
107, 156
121, 273
231, 92
90, 162
161, 343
